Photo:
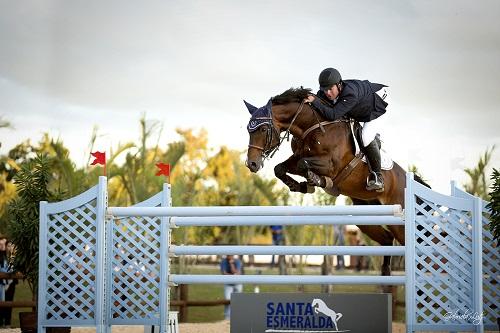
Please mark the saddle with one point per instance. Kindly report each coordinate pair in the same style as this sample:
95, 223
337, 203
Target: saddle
359, 156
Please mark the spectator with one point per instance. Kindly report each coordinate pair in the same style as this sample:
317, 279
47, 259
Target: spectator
357, 262
278, 239
230, 266
8, 287
339, 239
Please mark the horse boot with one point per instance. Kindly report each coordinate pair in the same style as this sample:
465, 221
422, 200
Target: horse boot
375, 181
315, 179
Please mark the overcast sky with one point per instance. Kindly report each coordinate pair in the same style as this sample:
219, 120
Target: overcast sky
66, 66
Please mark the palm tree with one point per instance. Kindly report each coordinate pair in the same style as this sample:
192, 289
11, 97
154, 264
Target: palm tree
494, 205
477, 184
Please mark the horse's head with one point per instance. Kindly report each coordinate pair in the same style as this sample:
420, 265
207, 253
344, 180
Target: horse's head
264, 136
316, 303
267, 122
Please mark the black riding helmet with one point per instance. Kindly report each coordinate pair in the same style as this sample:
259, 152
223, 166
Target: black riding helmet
329, 77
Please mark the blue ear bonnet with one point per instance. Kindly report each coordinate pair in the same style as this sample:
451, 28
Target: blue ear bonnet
260, 116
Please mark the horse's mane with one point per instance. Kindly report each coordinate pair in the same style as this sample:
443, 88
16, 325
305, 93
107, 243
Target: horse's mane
291, 95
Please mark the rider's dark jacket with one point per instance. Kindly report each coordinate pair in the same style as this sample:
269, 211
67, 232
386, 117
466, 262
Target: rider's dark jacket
357, 100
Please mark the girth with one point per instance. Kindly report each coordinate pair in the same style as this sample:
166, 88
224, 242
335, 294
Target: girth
332, 184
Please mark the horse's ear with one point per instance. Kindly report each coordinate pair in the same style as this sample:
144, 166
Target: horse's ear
250, 107
269, 104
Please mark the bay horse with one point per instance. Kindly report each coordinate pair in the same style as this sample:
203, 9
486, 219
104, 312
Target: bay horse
321, 150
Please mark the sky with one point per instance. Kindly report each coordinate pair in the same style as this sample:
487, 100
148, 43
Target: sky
66, 66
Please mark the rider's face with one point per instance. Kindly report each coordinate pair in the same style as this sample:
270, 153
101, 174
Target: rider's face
332, 92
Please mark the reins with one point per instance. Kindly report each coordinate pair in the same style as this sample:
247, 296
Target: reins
269, 152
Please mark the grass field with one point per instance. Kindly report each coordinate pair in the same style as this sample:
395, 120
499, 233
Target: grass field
215, 292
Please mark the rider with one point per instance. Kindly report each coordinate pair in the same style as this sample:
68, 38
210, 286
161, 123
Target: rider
359, 100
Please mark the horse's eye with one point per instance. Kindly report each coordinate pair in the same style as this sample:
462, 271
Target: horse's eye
263, 128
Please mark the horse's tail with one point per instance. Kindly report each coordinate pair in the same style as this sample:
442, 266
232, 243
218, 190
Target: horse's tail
338, 316
419, 179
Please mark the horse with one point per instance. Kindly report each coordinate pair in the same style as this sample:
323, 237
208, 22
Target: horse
320, 306
323, 152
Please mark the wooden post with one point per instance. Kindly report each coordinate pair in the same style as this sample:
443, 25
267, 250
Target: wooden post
183, 296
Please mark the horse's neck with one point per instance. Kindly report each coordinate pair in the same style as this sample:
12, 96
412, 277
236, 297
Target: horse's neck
344, 139
300, 124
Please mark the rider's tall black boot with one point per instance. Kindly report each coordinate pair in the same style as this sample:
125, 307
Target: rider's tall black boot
375, 181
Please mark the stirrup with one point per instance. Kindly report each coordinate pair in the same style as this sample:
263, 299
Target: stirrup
374, 185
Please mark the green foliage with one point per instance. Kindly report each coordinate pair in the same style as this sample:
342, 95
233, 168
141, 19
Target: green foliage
32, 183
478, 185
413, 168
494, 205
4, 123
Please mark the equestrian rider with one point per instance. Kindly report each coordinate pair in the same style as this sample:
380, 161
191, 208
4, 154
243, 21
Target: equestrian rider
362, 101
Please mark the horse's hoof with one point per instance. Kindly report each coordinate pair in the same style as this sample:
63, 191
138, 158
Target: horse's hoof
295, 187
306, 188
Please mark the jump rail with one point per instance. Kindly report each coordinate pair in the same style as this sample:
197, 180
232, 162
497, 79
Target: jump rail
394, 210
103, 266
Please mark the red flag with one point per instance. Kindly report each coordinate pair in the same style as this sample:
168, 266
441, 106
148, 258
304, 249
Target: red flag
100, 158
164, 169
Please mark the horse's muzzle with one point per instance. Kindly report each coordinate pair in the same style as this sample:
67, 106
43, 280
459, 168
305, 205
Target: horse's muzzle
254, 166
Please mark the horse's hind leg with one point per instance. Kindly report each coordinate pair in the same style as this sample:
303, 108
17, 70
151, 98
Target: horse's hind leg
382, 236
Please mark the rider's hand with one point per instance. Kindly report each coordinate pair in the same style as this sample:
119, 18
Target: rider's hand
309, 99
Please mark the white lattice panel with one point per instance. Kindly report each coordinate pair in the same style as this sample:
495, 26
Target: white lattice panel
136, 268
491, 277
69, 260
71, 264
443, 267
491, 268
137, 263
443, 254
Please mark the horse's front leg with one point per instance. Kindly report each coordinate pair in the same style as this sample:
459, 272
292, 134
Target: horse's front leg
314, 170
290, 166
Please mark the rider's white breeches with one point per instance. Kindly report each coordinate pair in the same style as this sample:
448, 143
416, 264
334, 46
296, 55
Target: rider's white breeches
374, 127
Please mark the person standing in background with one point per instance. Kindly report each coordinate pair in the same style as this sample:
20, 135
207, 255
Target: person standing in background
230, 266
339, 239
7, 287
278, 238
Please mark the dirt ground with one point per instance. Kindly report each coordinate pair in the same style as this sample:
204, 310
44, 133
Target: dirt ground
218, 327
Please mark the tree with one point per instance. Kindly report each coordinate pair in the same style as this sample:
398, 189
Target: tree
66, 177
478, 185
33, 185
135, 180
4, 123
494, 205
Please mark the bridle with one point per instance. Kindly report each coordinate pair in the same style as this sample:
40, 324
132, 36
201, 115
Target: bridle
268, 150
271, 133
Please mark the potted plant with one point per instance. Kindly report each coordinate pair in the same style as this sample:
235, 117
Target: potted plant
32, 186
